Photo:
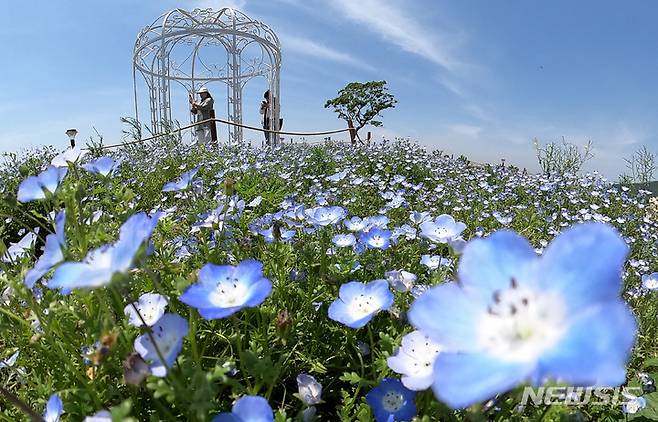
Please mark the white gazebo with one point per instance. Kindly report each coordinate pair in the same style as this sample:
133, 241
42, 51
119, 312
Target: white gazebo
201, 47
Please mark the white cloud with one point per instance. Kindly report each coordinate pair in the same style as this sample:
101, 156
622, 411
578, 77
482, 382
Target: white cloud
465, 130
395, 25
311, 48
220, 4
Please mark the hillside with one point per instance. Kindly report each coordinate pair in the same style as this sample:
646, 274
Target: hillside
176, 280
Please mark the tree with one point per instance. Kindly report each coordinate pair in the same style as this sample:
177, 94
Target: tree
359, 103
641, 167
564, 157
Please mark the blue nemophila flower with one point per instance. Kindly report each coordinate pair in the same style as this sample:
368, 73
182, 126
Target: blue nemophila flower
54, 409
168, 332
415, 360
515, 317
184, 182
270, 237
442, 230
650, 281
151, 307
248, 409
105, 166
17, 250
100, 416
309, 413
325, 216
502, 219
380, 221
255, 202
52, 252
632, 404
359, 302
434, 261
376, 238
344, 240
35, 187
337, 177
310, 390
355, 224
223, 290
100, 265
69, 156
401, 280
10, 361
391, 401
419, 217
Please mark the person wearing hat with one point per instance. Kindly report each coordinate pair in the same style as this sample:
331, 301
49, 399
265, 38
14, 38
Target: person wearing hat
203, 111
266, 105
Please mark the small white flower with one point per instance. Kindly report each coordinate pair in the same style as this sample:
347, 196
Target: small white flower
650, 281
633, 404
10, 361
71, 155
309, 389
415, 360
400, 280
151, 307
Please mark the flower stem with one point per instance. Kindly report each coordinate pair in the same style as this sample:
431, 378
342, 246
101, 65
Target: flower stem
21, 405
193, 325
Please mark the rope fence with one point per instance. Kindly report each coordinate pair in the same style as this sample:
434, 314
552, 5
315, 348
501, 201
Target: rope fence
228, 122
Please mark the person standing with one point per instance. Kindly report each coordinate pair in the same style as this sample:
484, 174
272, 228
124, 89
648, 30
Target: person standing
267, 109
203, 111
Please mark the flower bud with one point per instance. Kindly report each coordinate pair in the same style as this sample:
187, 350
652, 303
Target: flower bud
229, 186
134, 369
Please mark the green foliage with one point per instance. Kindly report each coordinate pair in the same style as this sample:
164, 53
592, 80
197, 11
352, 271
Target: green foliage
262, 350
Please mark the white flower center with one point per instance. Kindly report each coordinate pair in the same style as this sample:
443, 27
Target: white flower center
344, 241
377, 240
229, 293
363, 305
441, 231
522, 323
423, 356
392, 401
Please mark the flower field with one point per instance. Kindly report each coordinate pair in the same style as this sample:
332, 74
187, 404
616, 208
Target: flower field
330, 283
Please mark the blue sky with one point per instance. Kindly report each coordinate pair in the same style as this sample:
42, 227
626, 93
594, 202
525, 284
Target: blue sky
474, 77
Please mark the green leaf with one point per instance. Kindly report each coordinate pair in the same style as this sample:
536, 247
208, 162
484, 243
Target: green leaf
351, 377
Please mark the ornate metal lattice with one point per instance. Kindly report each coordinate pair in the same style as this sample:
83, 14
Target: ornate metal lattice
203, 46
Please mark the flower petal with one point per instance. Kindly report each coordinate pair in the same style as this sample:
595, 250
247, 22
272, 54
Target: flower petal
380, 292
461, 380
489, 264
253, 409
341, 312
29, 190
211, 274
51, 177
52, 255
197, 296
594, 350
217, 313
585, 263
249, 271
226, 417
258, 292
348, 290
71, 275
447, 315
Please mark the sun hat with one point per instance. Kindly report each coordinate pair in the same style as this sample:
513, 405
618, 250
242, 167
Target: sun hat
202, 90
